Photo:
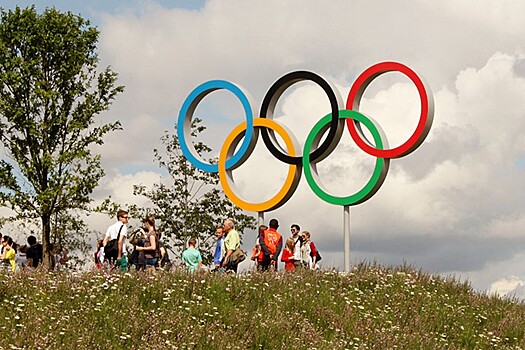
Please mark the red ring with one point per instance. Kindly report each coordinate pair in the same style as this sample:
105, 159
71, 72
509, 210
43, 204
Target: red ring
425, 119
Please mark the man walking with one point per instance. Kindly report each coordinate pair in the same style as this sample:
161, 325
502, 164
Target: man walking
271, 245
219, 248
231, 242
119, 231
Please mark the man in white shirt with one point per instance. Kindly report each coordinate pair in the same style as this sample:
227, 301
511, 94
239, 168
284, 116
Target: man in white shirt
119, 230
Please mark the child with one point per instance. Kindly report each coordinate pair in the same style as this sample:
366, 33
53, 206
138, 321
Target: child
287, 257
256, 253
192, 257
99, 254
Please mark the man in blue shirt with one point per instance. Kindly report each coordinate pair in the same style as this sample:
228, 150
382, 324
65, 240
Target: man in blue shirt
219, 249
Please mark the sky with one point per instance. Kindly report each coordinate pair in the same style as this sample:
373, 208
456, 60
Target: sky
455, 206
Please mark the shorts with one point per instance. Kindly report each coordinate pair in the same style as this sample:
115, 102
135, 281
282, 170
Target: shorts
151, 262
122, 263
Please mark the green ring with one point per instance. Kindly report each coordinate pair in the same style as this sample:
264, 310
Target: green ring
380, 169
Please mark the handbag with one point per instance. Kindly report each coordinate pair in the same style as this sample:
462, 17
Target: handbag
317, 256
111, 248
237, 256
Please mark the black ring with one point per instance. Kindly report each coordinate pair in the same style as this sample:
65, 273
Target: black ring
268, 107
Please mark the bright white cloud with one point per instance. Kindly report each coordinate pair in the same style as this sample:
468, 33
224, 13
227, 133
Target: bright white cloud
509, 286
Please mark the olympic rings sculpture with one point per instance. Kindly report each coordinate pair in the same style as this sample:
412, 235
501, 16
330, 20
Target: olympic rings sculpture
314, 150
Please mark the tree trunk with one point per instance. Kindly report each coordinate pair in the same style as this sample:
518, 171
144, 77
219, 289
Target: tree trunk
46, 244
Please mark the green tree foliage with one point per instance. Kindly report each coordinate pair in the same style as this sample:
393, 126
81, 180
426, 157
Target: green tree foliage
50, 92
189, 204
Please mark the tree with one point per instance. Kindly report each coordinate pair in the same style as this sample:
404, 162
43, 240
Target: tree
50, 93
190, 204
70, 232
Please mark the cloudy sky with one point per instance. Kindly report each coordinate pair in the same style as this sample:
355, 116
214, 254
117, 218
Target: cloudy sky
455, 206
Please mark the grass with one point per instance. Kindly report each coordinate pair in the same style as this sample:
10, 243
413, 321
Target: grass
373, 307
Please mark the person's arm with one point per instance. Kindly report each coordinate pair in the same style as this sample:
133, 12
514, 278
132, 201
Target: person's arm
152, 244
264, 247
120, 247
217, 255
313, 253
200, 262
133, 239
229, 250
285, 256
228, 254
30, 255
278, 249
106, 240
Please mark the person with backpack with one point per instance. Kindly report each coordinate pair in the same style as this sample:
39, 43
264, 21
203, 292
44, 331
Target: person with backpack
232, 242
165, 262
271, 245
34, 252
115, 242
309, 253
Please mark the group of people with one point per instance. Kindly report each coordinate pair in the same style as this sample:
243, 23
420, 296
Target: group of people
299, 251
149, 252
14, 257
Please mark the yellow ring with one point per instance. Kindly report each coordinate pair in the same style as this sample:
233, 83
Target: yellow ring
284, 193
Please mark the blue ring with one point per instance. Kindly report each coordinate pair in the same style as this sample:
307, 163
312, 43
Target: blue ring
184, 123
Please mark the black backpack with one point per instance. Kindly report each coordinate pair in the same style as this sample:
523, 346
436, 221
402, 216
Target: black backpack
111, 248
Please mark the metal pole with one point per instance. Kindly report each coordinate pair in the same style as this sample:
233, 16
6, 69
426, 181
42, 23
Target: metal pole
346, 237
260, 218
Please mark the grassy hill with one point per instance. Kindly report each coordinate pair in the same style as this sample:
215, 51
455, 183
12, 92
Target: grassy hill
373, 307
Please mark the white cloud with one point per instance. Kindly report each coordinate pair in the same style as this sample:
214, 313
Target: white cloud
120, 187
507, 285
